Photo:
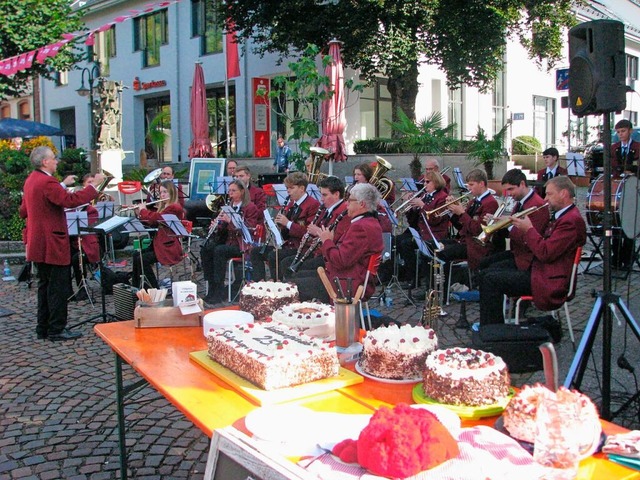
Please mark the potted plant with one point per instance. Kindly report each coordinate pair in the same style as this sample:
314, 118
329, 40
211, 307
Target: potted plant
487, 151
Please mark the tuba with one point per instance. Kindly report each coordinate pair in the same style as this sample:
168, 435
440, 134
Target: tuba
313, 164
104, 197
384, 185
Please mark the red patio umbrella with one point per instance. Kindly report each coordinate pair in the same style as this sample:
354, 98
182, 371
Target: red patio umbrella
333, 117
201, 144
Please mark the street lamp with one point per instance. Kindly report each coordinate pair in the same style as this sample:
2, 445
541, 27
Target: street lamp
92, 74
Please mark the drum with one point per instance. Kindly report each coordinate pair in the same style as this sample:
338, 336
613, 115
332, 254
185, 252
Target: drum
595, 201
629, 214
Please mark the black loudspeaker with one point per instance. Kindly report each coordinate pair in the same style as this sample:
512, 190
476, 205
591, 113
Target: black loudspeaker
597, 68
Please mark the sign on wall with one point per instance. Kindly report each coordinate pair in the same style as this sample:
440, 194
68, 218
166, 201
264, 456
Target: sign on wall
261, 117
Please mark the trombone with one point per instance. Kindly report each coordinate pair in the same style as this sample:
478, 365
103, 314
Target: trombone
405, 206
443, 210
503, 222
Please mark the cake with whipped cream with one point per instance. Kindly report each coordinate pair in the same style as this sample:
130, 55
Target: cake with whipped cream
263, 298
397, 353
304, 315
520, 415
272, 355
464, 376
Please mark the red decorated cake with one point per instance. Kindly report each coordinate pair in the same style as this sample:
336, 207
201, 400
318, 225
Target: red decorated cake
272, 355
261, 299
464, 376
397, 352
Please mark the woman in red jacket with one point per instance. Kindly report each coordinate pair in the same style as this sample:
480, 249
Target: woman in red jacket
165, 247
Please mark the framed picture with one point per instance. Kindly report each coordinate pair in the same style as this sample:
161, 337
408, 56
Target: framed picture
204, 171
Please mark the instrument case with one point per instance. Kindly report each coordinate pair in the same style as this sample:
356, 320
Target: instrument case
517, 345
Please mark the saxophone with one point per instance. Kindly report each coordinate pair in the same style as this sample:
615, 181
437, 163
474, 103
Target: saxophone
295, 265
433, 297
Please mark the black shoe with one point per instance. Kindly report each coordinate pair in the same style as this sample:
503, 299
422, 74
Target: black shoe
42, 336
462, 324
65, 334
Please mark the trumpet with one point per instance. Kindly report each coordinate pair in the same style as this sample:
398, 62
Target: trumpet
443, 210
503, 222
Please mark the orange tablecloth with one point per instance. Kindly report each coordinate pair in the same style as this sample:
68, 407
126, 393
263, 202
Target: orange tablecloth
161, 356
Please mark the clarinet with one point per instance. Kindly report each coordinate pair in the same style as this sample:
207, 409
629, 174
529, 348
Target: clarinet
295, 265
304, 239
283, 208
215, 224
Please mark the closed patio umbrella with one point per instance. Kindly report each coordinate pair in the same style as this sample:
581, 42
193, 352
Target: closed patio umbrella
200, 146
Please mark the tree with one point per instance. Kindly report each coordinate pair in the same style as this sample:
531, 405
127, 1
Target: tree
28, 25
466, 38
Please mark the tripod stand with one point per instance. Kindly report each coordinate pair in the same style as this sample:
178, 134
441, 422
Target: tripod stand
82, 286
605, 302
394, 281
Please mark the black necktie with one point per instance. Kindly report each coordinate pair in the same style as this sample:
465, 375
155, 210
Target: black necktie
518, 207
549, 175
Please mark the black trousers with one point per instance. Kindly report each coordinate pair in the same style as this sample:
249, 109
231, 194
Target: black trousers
258, 258
310, 264
310, 286
494, 284
54, 288
214, 265
149, 259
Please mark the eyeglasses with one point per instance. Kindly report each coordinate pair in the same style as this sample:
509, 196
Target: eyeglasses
427, 181
353, 200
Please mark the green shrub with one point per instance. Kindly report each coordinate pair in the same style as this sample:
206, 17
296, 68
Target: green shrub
525, 145
376, 145
74, 161
11, 228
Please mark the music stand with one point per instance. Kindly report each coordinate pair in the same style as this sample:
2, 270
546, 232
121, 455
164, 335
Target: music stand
313, 191
348, 180
133, 225
75, 221
408, 184
394, 246
276, 235
105, 209
220, 185
280, 189
102, 230
575, 164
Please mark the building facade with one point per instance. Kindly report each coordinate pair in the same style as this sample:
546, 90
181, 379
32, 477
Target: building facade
154, 55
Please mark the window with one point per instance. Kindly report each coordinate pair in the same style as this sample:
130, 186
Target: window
456, 99
632, 67
24, 110
216, 104
205, 24
150, 32
498, 95
5, 111
105, 48
631, 116
544, 120
158, 111
375, 110
61, 78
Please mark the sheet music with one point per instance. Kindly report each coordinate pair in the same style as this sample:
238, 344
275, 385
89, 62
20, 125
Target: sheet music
348, 180
389, 212
238, 223
313, 191
220, 185
134, 225
575, 164
281, 193
75, 221
277, 237
105, 209
457, 173
174, 223
408, 184
112, 223
422, 246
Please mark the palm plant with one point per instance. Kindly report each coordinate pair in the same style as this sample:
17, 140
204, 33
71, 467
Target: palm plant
487, 151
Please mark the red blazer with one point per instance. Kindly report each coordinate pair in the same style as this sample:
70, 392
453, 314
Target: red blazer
439, 225
469, 226
349, 258
343, 224
554, 252
43, 206
166, 245
250, 215
385, 222
308, 209
543, 172
521, 250
259, 199
631, 161
90, 243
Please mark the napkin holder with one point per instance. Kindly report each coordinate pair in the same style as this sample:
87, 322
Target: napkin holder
164, 314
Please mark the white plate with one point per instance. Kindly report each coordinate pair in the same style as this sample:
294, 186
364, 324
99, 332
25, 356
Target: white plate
225, 318
361, 371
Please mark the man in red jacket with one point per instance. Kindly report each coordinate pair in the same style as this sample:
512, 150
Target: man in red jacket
48, 247
553, 254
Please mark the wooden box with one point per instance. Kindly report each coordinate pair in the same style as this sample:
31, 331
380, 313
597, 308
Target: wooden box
165, 314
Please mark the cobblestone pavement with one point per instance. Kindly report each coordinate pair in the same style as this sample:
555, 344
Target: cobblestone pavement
58, 399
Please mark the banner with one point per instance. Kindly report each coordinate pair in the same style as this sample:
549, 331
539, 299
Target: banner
261, 117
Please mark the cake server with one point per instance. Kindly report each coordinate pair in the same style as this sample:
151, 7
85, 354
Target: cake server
327, 284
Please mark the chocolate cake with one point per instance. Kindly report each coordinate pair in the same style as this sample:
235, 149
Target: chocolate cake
263, 298
464, 376
304, 315
397, 353
272, 355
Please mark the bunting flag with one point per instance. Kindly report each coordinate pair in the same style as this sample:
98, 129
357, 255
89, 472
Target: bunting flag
232, 57
24, 61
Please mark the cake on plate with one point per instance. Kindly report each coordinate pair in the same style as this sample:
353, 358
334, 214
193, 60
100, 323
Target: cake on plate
303, 315
272, 355
397, 353
464, 376
261, 299
520, 415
